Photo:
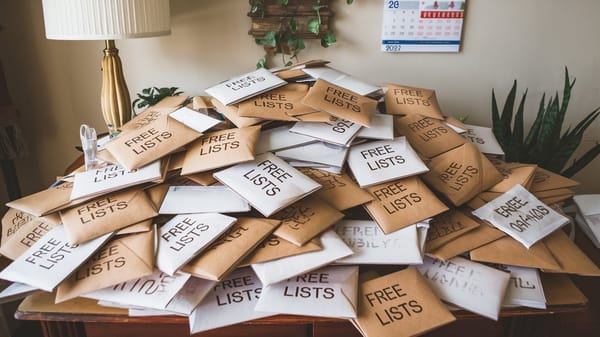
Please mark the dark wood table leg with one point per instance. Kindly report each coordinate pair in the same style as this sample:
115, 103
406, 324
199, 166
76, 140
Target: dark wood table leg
63, 329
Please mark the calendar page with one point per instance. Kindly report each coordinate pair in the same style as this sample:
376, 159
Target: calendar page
422, 26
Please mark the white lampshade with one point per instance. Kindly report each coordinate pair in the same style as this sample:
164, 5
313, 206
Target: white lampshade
105, 19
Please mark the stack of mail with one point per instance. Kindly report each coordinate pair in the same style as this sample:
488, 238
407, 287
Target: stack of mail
588, 215
265, 197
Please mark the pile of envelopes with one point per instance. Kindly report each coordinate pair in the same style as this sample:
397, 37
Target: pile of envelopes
280, 192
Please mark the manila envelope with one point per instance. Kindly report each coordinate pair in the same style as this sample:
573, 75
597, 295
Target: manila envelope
428, 136
140, 227
25, 237
340, 102
514, 173
155, 136
448, 226
571, 259
305, 219
461, 174
121, 259
203, 178
232, 114
402, 202
164, 107
403, 100
477, 237
509, 251
380, 300
224, 255
221, 148
176, 161
157, 194
338, 190
278, 104
107, 214
47, 201
544, 180
560, 290
274, 248
12, 220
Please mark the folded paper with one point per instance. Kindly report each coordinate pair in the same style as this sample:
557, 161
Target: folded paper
245, 86
280, 138
446, 227
524, 288
342, 79
273, 248
195, 120
317, 153
336, 131
428, 136
26, 236
405, 100
484, 139
382, 127
202, 199
338, 190
282, 103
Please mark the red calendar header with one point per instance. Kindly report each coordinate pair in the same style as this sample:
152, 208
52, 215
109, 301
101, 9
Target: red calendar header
442, 14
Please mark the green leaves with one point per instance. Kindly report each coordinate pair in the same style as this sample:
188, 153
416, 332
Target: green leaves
544, 144
262, 62
151, 96
328, 39
314, 26
270, 39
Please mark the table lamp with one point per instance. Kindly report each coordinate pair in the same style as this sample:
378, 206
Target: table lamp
108, 20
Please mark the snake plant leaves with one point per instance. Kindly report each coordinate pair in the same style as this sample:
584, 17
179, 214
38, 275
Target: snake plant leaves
516, 145
580, 163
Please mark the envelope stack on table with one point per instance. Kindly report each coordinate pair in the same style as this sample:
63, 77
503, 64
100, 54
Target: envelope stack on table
280, 192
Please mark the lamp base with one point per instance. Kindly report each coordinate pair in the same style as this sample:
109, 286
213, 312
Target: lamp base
114, 97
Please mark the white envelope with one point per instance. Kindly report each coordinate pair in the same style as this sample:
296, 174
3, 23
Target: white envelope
524, 288
342, 79
372, 246
279, 138
591, 228
382, 127
268, 183
185, 235
588, 215
469, 285
484, 139
51, 259
278, 270
16, 291
245, 86
190, 295
327, 292
194, 119
231, 301
330, 169
202, 199
521, 215
588, 204
336, 131
154, 291
111, 178
385, 160
318, 153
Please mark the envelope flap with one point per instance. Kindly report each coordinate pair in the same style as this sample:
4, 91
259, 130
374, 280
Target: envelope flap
510, 252
571, 259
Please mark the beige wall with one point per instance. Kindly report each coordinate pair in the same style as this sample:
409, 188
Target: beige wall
56, 84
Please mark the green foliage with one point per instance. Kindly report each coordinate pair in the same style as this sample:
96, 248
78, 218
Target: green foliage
544, 145
151, 96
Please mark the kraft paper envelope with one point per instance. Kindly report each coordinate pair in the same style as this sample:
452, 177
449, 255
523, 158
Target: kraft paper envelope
372, 246
176, 160
223, 255
513, 173
524, 288
304, 164
268, 183
278, 104
244, 86
338, 190
195, 120
385, 160
546, 180
318, 153
155, 112
154, 291
25, 237
327, 292
403, 202
16, 291
484, 139
305, 219
382, 127
335, 131
157, 194
221, 148
50, 260
446, 227
278, 270
570, 258
106, 214
157, 137
296, 70
274, 248
559, 192
231, 301
184, 236
47, 201
508, 251
203, 178
140, 227
340, 102
232, 114
122, 259
404, 306
202, 199
522, 216
461, 173
113, 177
475, 238
469, 285
343, 80
201, 103
405, 100
12, 220
428, 136
560, 290
280, 138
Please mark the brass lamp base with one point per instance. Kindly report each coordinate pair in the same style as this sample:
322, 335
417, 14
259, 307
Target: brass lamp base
114, 97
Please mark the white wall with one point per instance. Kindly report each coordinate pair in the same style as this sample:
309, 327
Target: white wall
56, 84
